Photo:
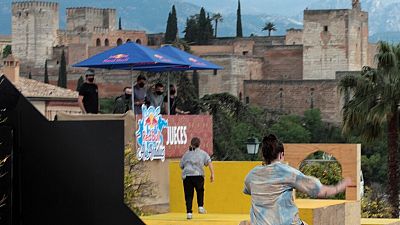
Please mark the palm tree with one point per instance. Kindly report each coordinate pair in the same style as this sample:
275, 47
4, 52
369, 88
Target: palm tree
217, 17
372, 101
269, 27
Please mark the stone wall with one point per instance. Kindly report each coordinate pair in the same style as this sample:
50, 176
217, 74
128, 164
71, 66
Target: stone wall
334, 40
295, 97
34, 31
283, 63
211, 49
372, 51
87, 19
118, 36
294, 37
230, 79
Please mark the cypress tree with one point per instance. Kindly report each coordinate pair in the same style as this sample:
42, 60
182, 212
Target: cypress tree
62, 73
46, 75
209, 29
239, 32
174, 24
202, 35
191, 29
79, 84
171, 30
119, 24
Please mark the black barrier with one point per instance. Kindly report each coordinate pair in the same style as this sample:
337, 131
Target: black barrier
64, 172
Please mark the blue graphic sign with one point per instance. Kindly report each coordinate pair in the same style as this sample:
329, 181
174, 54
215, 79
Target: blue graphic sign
149, 136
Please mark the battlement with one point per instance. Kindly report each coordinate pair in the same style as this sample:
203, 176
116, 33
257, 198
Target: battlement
35, 4
91, 10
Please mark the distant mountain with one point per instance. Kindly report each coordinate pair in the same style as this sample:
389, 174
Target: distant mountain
151, 15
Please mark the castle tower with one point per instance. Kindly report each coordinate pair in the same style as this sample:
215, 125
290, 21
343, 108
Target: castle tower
34, 31
334, 40
82, 20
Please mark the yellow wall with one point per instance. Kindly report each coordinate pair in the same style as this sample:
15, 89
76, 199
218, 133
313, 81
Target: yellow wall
225, 195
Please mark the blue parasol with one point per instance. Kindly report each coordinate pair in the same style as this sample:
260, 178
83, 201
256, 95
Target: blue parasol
130, 56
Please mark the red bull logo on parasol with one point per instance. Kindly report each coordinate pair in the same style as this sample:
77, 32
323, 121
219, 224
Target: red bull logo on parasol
195, 61
117, 58
161, 58
149, 136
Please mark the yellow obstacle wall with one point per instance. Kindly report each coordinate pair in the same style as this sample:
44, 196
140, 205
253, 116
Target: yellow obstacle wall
226, 191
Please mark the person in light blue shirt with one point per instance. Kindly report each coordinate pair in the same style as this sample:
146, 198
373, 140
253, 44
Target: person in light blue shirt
192, 165
271, 187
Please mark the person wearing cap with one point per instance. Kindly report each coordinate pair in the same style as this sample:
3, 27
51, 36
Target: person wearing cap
88, 99
140, 94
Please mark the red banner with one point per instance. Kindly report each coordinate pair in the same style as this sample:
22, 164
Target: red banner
182, 128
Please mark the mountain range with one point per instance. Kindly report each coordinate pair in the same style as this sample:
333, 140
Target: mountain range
151, 15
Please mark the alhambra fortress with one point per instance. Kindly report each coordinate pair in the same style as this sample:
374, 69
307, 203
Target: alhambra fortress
289, 74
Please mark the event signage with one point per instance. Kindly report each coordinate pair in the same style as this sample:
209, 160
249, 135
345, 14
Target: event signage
168, 136
149, 135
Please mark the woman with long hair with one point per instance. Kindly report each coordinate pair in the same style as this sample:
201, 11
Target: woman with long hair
271, 187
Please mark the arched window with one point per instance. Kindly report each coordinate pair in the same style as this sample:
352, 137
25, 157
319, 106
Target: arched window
98, 42
138, 41
106, 42
119, 42
129, 40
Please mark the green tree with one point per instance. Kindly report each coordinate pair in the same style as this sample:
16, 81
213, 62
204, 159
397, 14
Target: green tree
46, 74
7, 51
233, 123
269, 27
329, 173
217, 17
62, 73
172, 26
191, 30
374, 103
289, 129
119, 24
79, 83
239, 32
375, 204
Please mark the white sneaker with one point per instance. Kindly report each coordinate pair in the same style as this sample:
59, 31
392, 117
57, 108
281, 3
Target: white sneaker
189, 216
202, 210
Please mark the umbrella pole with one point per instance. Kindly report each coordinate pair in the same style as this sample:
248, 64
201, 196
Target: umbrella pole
133, 92
169, 96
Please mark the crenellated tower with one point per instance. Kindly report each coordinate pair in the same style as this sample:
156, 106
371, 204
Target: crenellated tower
34, 31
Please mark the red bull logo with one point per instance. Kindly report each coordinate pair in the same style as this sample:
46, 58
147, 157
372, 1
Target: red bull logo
149, 136
161, 58
196, 62
117, 58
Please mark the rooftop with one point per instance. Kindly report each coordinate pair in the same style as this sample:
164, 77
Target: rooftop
35, 89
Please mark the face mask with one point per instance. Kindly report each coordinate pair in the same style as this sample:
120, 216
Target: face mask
172, 92
159, 92
128, 96
141, 85
91, 79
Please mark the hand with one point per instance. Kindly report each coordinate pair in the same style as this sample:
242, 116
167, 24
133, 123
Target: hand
212, 178
343, 184
347, 182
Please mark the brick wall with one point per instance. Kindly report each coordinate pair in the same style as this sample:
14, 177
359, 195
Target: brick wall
283, 62
296, 96
230, 79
